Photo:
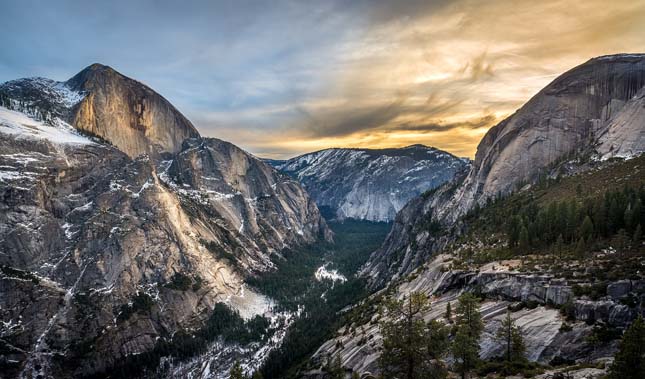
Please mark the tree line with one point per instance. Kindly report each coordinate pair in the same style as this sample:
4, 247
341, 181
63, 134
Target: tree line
618, 215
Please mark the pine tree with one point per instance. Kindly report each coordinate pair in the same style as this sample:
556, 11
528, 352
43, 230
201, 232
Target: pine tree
438, 339
511, 338
334, 368
628, 218
448, 312
638, 235
638, 211
524, 239
586, 230
559, 246
468, 315
629, 362
410, 346
615, 215
469, 325
465, 351
581, 247
236, 371
514, 231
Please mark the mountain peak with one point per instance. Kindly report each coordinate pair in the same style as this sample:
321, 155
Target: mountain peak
98, 66
94, 74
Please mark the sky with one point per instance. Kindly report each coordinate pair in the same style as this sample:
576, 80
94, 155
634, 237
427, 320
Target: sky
281, 78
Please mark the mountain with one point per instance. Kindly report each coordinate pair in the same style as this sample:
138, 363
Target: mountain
371, 184
546, 225
586, 115
109, 255
106, 104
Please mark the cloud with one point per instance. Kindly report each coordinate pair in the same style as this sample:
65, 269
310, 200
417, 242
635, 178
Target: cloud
484, 122
286, 77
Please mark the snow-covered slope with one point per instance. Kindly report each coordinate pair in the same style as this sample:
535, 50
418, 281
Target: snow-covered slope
23, 126
371, 184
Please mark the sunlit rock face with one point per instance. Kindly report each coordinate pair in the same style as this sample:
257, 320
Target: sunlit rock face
595, 109
109, 105
103, 254
264, 209
371, 184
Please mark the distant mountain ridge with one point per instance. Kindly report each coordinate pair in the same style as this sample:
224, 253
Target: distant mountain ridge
371, 184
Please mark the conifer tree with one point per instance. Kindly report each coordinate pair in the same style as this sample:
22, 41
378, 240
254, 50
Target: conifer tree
638, 235
586, 230
580, 247
511, 338
411, 348
449, 312
236, 371
465, 351
559, 246
334, 368
629, 362
469, 325
524, 239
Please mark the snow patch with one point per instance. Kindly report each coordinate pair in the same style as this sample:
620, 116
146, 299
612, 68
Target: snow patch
322, 273
20, 125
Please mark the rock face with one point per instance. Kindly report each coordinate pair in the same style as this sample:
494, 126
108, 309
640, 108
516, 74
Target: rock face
106, 104
265, 210
358, 343
582, 107
594, 109
102, 254
371, 184
624, 135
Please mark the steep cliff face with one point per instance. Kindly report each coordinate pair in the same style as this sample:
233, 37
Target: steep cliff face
92, 243
265, 210
566, 117
594, 109
371, 184
102, 255
127, 113
106, 104
624, 135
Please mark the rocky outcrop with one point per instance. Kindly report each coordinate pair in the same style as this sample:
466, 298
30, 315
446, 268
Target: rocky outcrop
371, 184
624, 135
593, 109
88, 231
358, 343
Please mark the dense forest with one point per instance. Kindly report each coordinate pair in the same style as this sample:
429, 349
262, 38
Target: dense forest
293, 285
568, 216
